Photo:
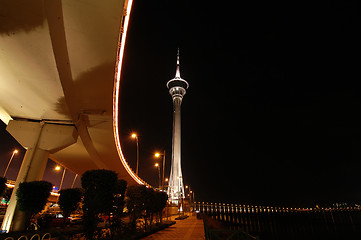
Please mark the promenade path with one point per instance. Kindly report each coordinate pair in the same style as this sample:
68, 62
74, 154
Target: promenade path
189, 228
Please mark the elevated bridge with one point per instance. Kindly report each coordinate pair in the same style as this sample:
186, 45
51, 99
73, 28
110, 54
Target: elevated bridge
60, 67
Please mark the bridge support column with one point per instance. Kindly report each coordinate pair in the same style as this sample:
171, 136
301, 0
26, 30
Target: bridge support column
39, 139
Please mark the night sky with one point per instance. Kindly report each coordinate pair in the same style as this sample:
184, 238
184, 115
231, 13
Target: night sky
272, 112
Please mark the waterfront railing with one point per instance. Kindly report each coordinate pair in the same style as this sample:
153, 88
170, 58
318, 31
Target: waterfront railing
287, 223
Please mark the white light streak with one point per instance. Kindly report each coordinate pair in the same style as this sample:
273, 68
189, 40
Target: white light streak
118, 68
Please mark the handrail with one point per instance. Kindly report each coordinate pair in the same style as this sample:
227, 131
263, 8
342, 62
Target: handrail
9, 238
26, 238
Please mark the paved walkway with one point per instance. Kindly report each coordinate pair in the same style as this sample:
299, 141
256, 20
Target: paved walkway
190, 228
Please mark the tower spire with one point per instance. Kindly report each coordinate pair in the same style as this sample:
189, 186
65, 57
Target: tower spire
177, 73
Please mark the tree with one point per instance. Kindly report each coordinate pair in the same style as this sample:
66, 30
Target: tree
2, 185
154, 204
149, 206
144, 202
32, 197
69, 200
161, 199
101, 189
119, 197
135, 203
118, 207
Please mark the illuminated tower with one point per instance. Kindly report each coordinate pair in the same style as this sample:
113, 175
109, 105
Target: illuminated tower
177, 88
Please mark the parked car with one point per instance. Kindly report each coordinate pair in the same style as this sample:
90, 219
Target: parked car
53, 220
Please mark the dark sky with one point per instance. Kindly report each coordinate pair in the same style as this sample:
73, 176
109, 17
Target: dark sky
272, 112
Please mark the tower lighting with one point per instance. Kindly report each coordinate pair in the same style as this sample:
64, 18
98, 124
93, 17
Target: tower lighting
177, 89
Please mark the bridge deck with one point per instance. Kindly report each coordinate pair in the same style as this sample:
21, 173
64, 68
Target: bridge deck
190, 228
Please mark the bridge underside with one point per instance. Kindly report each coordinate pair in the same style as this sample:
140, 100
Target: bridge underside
60, 64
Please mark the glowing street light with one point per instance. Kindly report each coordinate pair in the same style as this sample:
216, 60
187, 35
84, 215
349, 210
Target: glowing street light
190, 193
135, 136
157, 155
12, 156
57, 168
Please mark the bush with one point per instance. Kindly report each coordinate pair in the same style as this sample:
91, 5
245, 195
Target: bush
103, 194
145, 202
69, 200
32, 197
135, 203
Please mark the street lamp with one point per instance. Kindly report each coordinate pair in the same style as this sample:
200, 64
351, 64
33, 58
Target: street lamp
57, 168
12, 156
192, 196
72, 185
157, 155
135, 136
189, 189
157, 165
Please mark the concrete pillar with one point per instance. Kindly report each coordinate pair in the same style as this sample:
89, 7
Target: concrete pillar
39, 139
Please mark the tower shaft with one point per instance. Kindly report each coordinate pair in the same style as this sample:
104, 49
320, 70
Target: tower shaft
176, 188
177, 89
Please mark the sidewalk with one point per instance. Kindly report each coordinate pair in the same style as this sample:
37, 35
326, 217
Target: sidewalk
190, 228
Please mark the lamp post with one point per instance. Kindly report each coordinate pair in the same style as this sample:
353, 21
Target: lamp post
135, 136
157, 165
12, 156
157, 155
57, 168
189, 191
72, 185
191, 199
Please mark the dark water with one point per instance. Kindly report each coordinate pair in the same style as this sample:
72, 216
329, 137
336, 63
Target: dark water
286, 223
